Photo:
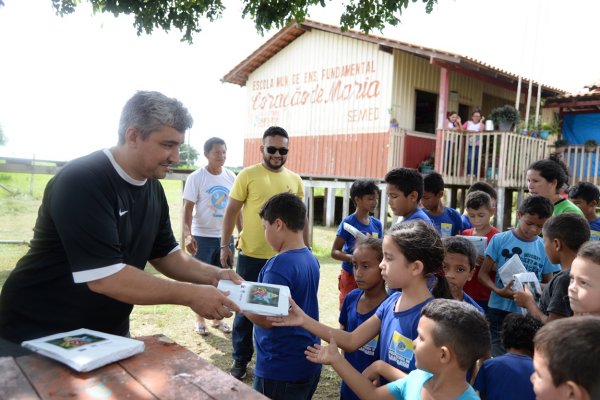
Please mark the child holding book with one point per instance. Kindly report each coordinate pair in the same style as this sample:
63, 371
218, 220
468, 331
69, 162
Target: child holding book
584, 289
404, 191
459, 265
361, 303
508, 376
446, 220
452, 335
364, 194
480, 210
567, 360
412, 253
282, 372
529, 247
586, 196
563, 236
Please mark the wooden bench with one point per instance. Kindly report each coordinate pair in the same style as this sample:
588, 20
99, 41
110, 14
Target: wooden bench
163, 371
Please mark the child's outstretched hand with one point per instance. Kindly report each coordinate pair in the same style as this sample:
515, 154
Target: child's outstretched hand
295, 317
326, 355
523, 298
506, 291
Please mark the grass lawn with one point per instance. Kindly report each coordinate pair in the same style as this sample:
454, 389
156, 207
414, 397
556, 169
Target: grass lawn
18, 212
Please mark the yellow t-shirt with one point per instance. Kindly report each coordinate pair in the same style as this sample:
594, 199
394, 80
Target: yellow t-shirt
254, 186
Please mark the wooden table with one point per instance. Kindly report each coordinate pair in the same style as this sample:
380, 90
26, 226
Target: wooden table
162, 371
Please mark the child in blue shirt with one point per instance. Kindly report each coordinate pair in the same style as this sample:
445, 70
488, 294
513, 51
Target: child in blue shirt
586, 196
459, 266
452, 335
525, 242
404, 191
364, 194
282, 371
483, 187
412, 253
446, 220
361, 303
508, 376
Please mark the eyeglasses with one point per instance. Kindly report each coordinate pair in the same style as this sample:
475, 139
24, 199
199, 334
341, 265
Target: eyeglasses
282, 150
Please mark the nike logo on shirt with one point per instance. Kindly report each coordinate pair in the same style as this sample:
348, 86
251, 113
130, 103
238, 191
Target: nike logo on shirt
121, 213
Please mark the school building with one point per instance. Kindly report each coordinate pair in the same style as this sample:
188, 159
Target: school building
359, 105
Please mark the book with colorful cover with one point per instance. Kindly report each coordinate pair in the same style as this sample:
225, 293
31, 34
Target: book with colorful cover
85, 349
258, 298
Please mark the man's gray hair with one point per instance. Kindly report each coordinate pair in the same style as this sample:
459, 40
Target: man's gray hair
149, 111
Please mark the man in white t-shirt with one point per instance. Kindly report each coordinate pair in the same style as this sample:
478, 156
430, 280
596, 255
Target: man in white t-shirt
205, 199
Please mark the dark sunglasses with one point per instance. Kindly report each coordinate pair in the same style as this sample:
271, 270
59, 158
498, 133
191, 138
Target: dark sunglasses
282, 150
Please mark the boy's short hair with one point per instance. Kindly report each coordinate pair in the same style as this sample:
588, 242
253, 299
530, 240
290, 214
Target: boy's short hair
590, 251
571, 229
518, 331
287, 207
275, 131
461, 245
407, 180
537, 205
461, 327
570, 346
363, 187
478, 199
433, 182
484, 187
210, 143
586, 191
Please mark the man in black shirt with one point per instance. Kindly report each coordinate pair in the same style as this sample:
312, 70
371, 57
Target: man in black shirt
102, 218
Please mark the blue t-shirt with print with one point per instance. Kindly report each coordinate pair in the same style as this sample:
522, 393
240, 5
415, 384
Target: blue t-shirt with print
280, 350
448, 223
468, 299
595, 229
398, 330
374, 228
361, 358
495, 374
410, 387
532, 254
419, 214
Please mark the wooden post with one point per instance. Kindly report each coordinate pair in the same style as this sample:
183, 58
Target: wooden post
309, 201
383, 205
346, 201
443, 98
330, 207
500, 204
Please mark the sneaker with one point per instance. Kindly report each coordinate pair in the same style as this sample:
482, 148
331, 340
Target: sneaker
239, 369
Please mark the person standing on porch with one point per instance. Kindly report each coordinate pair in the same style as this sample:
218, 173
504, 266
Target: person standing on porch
475, 124
252, 188
205, 198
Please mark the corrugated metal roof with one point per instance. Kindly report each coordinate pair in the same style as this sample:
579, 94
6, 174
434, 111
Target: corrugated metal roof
240, 73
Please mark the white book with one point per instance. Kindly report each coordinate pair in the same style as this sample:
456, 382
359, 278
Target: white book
479, 242
512, 267
353, 231
85, 349
258, 298
527, 279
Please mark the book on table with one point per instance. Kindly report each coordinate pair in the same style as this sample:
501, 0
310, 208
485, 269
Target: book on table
258, 298
85, 349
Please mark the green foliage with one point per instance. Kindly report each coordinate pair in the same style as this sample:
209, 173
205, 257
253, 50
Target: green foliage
187, 155
185, 15
506, 113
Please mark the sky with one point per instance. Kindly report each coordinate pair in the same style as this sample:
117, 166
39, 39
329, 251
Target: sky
64, 81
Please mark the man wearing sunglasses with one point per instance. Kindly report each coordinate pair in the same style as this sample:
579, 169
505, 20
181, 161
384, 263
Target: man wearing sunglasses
252, 188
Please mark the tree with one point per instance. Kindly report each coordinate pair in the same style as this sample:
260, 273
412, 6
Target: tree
187, 155
185, 15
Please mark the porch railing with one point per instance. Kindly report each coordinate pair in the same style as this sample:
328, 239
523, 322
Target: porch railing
583, 165
500, 158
